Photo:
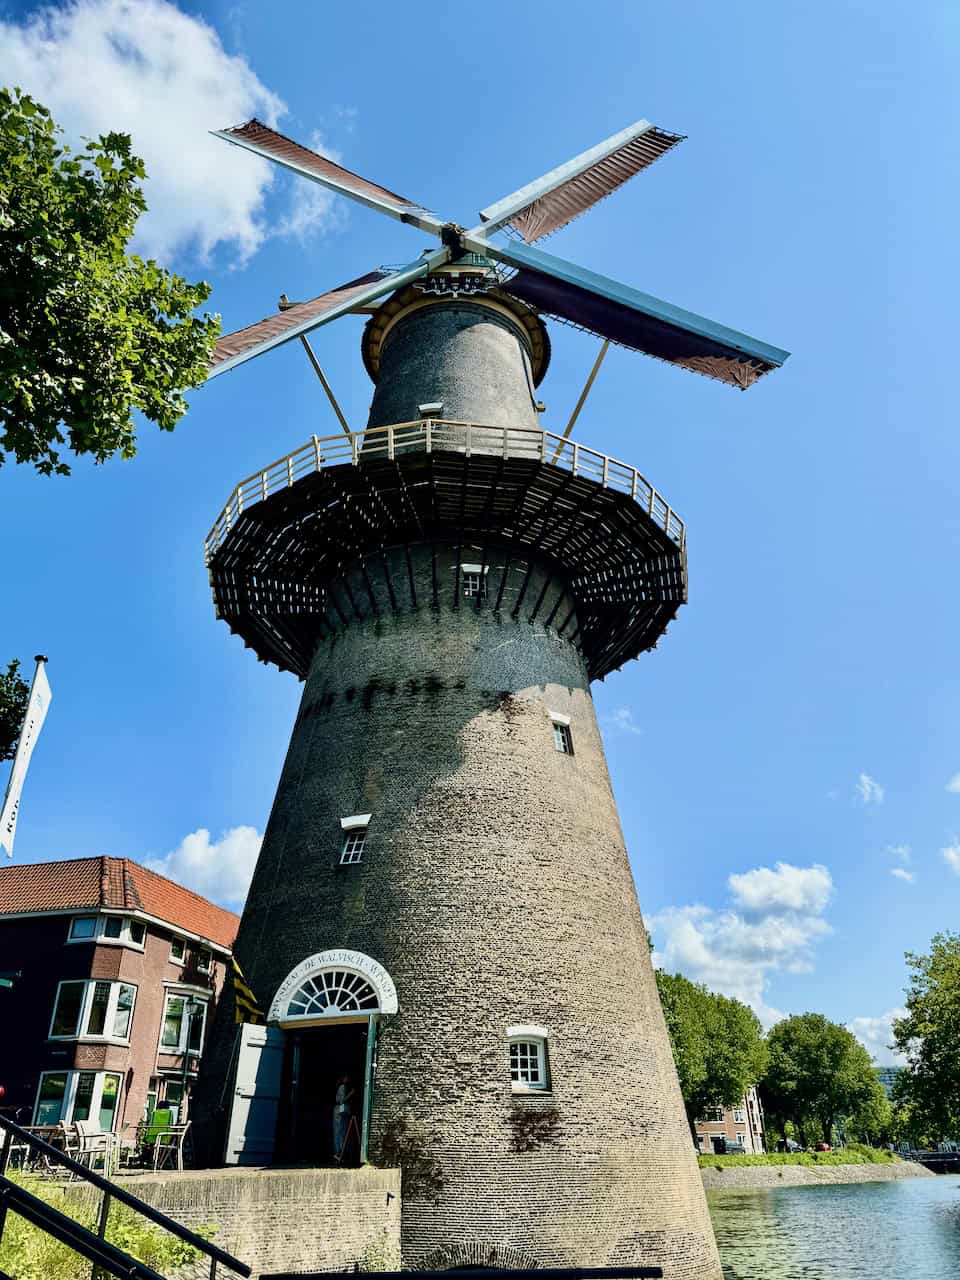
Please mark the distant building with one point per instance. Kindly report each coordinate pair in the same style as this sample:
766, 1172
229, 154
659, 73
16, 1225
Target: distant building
119, 970
741, 1124
888, 1077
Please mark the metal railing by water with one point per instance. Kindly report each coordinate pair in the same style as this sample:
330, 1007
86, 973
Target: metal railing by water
103, 1256
429, 435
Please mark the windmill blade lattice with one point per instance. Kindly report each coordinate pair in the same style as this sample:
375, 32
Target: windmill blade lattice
636, 320
273, 331
263, 141
553, 201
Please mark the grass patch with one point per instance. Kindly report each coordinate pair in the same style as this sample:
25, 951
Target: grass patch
855, 1153
30, 1254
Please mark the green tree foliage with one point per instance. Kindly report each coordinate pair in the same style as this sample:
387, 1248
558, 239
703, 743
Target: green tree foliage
817, 1073
717, 1044
872, 1122
14, 694
929, 1038
88, 332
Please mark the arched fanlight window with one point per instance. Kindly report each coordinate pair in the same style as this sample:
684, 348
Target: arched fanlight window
333, 984
333, 991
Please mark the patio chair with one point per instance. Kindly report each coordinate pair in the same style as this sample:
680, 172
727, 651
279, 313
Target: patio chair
168, 1147
95, 1146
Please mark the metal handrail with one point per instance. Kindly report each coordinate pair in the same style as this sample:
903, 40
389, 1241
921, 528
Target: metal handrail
77, 1237
436, 435
489, 1273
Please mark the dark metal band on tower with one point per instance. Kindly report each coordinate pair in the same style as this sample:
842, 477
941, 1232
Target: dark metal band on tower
447, 585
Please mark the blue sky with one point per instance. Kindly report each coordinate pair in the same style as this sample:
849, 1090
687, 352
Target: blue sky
790, 744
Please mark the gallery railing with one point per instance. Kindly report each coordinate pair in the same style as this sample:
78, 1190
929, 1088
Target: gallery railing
430, 435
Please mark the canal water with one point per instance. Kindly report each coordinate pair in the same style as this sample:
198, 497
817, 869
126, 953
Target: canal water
907, 1230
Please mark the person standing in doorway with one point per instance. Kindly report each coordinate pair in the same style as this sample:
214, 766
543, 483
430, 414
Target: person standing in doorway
342, 1112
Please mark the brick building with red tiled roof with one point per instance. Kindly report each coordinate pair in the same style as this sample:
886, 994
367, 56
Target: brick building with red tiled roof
118, 972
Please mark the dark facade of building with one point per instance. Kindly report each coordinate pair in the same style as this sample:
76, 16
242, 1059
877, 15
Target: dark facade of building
443, 909
119, 972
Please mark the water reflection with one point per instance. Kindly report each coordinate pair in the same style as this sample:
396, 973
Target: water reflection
906, 1230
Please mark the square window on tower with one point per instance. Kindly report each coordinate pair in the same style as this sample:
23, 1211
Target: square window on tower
473, 581
354, 838
353, 847
562, 737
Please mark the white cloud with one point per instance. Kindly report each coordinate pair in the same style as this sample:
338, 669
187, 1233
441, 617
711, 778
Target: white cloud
876, 1034
145, 68
870, 790
953, 786
951, 856
773, 926
218, 869
620, 720
902, 852
803, 889
902, 873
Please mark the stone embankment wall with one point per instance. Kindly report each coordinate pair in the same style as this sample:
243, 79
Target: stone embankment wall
285, 1219
754, 1176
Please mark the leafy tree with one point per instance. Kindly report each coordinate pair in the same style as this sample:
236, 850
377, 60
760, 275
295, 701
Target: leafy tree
929, 1038
88, 332
873, 1122
717, 1044
817, 1072
14, 694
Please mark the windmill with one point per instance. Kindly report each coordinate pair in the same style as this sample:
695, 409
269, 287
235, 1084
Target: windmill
443, 907
552, 286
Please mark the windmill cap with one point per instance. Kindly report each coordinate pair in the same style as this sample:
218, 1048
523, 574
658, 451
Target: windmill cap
527, 324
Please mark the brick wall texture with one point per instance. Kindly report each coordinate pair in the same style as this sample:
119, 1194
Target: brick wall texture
495, 889
279, 1220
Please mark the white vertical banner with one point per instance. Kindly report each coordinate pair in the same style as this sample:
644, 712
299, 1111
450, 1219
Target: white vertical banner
37, 706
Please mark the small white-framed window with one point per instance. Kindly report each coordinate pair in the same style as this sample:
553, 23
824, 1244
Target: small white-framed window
529, 1068
66, 1097
93, 1010
108, 930
715, 1115
473, 580
178, 950
562, 735
739, 1115
354, 838
353, 846
204, 960
184, 1023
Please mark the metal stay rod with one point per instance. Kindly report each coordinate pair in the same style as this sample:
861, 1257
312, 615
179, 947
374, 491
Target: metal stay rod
583, 396
325, 384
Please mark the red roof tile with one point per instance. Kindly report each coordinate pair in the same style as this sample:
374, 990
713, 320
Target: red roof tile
87, 883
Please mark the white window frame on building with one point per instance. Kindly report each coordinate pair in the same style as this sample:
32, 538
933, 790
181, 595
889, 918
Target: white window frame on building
473, 581
76, 1083
114, 1005
354, 830
562, 736
200, 1000
528, 1059
107, 930
739, 1115
181, 945
204, 960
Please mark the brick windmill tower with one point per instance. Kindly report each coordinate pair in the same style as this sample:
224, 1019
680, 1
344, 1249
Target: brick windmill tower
443, 909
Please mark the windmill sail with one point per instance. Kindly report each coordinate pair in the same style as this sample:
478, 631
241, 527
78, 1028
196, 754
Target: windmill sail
244, 344
266, 142
552, 201
634, 319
